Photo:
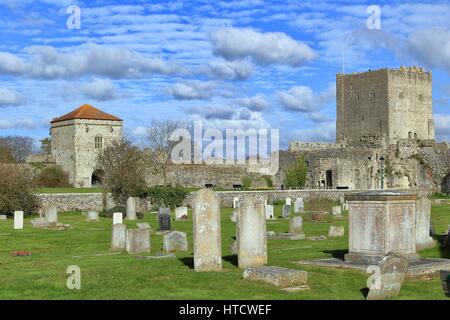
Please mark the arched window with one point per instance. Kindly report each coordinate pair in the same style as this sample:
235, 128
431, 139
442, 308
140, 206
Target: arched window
98, 142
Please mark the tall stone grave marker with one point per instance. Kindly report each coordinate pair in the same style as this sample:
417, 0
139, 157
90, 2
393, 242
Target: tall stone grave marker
117, 218
269, 211
207, 237
251, 234
18, 220
51, 215
296, 225
235, 202
92, 216
286, 211
118, 238
423, 213
164, 219
138, 241
131, 208
288, 201
299, 205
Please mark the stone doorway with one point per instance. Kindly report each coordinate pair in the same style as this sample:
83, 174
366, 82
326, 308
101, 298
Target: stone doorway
97, 178
445, 187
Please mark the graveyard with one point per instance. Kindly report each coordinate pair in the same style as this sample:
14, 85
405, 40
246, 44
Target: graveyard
107, 274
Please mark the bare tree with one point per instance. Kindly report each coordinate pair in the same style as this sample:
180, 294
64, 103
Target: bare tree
160, 146
20, 147
123, 169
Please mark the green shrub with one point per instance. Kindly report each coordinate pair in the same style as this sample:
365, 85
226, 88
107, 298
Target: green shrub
52, 177
296, 174
278, 202
269, 182
16, 190
246, 183
319, 202
165, 196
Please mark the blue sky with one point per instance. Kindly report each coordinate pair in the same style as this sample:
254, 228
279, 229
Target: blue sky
261, 64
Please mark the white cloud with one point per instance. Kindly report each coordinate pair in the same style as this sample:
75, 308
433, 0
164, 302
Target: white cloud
10, 97
442, 125
100, 89
26, 123
10, 64
192, 89
304, 99
322, 133
214, 112
264, 48
258, 102
229, 70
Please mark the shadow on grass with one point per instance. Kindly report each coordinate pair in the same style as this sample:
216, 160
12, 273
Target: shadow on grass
444, 251
364, 292
233, 259
337, 254
188, 261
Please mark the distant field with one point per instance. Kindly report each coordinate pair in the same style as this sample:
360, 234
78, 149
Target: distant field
123, 276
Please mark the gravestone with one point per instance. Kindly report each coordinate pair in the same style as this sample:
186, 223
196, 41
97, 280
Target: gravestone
393, 269
164, 220
2, 217
268, 208
206, 231
345, 206
277, 276
92, 216
438, 202
447, 239
131, 208
251, 233
233, 216
117, 218
337, 210
299, 205
163, 210
181, 213
288, 201
336, 231
235, 202
296, 225
422, 224
18, 220
143, 225
233, 247
51, 215
138, 241
118, 238
175, 241
286, 211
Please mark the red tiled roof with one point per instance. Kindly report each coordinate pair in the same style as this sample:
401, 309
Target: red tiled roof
87, 111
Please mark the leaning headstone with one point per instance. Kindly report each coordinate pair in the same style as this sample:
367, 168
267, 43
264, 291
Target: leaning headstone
206, 231
286, 211
51, 215
92, 216
117, 218
251, 234
2, 217
118, 238
138, 241
277, 276
175, 241
337, 211
393, 269
235, 202
288, 201
296, 225
18, 220
336, 231
299, 205
181, 213
269, 211
164, 221
131, 208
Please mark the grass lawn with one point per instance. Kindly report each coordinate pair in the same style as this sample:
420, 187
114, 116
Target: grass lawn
69, 190
43, 275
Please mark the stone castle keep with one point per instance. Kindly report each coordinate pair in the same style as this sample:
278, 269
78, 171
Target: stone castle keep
385, 138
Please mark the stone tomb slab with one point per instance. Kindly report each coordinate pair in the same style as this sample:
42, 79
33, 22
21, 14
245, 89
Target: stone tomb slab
416, 268
175, 241
277, 276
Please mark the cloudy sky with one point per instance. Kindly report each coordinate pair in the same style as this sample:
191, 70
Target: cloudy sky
254, 63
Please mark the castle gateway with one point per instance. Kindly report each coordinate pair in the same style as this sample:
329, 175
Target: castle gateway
76, 140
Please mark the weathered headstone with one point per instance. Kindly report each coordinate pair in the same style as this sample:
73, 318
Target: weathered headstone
296, 225
233, 247
18, 220
288, 201
175, 241
299, 205
181, 213
92, 216
392, 271
233, 216
269, 211
206, 231
117, 218
337, 210
2, 217
51, 215
235, 202
438, 202
336, 231
277, 276
143, 225
423, 214
251, 233
138, 241
164, 220
118, 238
286, 211
131, 208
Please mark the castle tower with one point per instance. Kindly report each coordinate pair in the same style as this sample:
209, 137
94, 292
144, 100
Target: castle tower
78, 137
391, 104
